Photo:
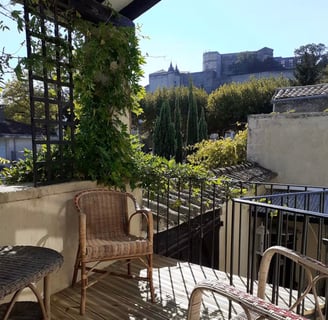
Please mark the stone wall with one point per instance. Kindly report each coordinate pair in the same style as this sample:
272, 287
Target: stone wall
301, 105
293, 145
259, 75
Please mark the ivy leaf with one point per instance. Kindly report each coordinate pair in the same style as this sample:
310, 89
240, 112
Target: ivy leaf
16, 14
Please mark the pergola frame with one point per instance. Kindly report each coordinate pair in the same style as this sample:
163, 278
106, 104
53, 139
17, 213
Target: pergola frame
52, 129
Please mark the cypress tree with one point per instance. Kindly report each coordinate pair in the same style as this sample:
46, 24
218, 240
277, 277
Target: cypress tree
192, 120
202, 126
164, 133
178, 133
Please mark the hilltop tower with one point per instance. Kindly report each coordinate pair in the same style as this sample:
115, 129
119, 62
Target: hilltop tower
212, 62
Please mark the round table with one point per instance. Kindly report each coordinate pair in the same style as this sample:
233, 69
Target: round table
21, 267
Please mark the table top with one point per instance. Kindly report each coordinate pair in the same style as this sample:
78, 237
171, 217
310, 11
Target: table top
22, 265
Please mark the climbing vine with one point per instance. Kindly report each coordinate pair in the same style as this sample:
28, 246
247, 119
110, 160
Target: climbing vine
106, 64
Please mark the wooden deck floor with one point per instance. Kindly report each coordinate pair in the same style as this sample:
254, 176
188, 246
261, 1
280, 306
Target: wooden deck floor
118, 298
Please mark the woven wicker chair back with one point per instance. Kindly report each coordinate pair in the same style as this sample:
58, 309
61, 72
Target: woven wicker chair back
106, 213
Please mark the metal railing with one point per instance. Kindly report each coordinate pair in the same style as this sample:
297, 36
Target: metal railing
210, 228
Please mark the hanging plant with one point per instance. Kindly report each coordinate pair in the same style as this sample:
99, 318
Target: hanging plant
107, 60
106, 66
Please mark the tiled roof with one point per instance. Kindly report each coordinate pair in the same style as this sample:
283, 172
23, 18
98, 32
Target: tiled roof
317, 90
236, 176
13, 127
246, 172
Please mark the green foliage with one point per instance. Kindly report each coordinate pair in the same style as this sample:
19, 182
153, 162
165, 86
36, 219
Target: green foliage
4, 161
311, 59
156, 172
16, 99
106, 86
220, 153
152, 103
192, 135
232, 103
164, 134
203, 134
159, 175
324, 77
178, 132
5, 57
107, 69
22, 170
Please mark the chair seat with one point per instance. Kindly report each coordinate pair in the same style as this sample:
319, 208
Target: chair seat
118, 247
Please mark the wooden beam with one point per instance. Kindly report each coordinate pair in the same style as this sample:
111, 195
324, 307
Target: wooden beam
95, 12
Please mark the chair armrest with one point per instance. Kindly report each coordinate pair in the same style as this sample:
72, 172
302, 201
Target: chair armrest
148, 215
314, 271
248, 302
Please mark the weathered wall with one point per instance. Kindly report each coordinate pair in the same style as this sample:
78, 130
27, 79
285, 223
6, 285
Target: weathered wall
293, 145
259, 75
301, 105
46, 217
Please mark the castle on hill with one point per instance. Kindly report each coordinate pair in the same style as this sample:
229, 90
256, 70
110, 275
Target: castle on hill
219, 69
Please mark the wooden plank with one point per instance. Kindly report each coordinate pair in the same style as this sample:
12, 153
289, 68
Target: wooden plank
119, 298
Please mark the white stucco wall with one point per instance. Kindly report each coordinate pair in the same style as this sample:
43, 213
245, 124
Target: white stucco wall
293, 145
45, 216
12, 146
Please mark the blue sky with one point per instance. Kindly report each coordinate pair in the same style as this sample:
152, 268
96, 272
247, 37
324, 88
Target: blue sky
180, 31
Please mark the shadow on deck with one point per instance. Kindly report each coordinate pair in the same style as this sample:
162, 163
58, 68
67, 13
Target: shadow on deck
119, 298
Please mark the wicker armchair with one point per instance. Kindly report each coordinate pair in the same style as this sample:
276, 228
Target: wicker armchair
104, 235
255, 307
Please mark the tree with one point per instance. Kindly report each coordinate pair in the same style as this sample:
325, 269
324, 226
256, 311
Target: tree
8, 11
203, 134
4, 57
192, 120
233, 102
152, 103
16, 99
164, 133
220, 153
178, 133
311, 61
324, 77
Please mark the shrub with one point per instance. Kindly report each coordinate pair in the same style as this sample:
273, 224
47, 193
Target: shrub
220, 153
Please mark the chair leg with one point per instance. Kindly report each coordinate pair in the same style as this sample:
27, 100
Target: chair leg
84, 283
150, 277
76, 267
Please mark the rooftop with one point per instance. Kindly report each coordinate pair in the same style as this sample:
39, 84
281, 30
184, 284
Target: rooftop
13, 127
246, 172
314, 91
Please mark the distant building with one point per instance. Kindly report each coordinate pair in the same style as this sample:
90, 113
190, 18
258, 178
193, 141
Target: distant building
219, 69
15, 137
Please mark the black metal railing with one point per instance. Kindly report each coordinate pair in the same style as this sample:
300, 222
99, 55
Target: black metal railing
187, 220
292, 216
196, 223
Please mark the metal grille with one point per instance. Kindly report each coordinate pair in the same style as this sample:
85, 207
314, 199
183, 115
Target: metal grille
49, 53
